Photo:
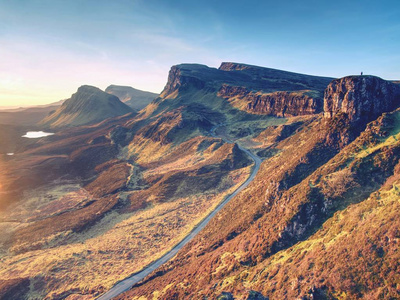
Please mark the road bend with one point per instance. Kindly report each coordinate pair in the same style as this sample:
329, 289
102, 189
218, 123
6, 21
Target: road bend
127, 283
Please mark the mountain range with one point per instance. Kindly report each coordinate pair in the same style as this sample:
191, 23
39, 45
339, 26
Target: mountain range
116, 189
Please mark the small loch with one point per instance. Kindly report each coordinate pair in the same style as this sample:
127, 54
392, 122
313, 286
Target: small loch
36, 134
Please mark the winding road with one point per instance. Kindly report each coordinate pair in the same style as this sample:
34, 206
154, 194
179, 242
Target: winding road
127, 283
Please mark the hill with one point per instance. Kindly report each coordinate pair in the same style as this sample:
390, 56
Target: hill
135, 99
317, 222
87, 106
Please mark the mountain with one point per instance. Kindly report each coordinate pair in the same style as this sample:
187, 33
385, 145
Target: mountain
135, 99
253, 89
318, 222
92, 205
87, 106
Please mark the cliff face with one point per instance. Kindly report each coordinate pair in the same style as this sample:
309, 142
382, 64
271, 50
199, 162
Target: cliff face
182, 76
281, 104
361, 98
254, 89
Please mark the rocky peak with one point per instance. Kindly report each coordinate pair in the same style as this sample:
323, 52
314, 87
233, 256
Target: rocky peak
361, 98
182, 76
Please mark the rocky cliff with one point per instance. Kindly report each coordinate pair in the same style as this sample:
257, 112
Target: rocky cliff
256, 90
361, 98
181, 77
281, 103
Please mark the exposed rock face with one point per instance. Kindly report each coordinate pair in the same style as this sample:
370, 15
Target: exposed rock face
361, 98
88, 105
281, 104
180, 78
253, 89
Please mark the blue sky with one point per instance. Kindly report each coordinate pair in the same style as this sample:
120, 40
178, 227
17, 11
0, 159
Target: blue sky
48, 48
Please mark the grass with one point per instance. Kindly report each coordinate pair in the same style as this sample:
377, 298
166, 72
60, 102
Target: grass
353, 230
390, 141
119, 245
327, 239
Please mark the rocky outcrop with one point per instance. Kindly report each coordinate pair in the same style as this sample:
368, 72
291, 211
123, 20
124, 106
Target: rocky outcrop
361, 98
294, 91
180, 78
281, 103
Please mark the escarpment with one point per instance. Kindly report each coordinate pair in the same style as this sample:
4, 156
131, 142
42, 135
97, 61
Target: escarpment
280, 103
361, 98
183, 76
352, 102
255, 90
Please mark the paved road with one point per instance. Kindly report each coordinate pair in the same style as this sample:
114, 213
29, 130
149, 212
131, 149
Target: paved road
127, 283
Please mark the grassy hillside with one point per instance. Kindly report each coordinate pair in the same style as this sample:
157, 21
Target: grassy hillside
88, 105
317, 222
135, 99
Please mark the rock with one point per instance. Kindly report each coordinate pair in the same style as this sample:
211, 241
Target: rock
180, 78
280, 103
361, 98
250, 88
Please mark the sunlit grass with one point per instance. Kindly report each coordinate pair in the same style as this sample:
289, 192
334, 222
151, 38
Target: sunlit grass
121, 244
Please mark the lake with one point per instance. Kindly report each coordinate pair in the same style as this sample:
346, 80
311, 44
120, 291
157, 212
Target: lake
36, 134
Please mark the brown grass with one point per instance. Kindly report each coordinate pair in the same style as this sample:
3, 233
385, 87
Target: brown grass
100, 257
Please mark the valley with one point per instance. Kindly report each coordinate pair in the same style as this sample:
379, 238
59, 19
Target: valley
127, 283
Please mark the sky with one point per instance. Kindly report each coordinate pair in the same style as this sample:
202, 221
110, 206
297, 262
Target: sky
48, 48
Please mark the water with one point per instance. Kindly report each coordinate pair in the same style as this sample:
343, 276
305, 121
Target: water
36, 134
